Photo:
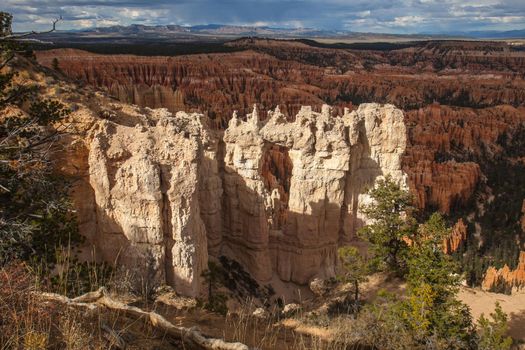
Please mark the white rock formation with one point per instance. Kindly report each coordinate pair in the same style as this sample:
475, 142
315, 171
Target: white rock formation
146, 189
276, 196
333, 160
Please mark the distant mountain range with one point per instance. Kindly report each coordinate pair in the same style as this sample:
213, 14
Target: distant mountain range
220, 32
510, 34
213, 29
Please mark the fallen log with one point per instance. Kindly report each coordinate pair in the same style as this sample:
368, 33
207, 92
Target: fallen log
190, 336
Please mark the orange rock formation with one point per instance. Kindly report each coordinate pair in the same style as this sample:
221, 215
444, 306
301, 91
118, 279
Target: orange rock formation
514, 277
457, 236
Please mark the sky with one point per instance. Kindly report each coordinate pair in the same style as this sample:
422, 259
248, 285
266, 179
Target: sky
380, 16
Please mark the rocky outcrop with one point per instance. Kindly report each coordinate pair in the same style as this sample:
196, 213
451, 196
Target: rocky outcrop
513, 278
295, 74
506, 277
294, 230
447, 146
457, 96
463, 102
434, 186
145, 182
160, 193
457, 236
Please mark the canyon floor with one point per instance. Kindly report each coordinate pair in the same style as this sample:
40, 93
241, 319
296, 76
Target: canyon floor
482, 302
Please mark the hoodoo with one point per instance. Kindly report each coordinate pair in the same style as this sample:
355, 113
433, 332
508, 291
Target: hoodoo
277, 196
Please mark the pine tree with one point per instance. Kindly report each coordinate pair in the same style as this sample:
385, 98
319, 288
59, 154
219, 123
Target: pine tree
430, 317
433, 312
354, 270
492, 333
391, 225
214, 278
55, 65
35, 214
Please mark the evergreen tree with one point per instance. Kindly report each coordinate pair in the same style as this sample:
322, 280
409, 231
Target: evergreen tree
354, 270
430, 317
392, 225
432, 310
492, 333
427, 261
35, 214
214, 278
54, 64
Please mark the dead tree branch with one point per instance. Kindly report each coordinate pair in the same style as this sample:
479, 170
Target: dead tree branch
189, 336
17, 37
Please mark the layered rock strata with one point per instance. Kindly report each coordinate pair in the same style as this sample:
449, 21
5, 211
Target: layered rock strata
479, 88
161, 192
295, 231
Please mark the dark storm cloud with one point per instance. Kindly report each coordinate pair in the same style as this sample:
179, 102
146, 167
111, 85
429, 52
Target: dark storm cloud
397, 16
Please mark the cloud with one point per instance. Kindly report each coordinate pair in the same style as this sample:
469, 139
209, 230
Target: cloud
395, 16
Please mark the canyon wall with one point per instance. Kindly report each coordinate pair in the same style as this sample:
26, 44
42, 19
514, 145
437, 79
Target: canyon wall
159, 194
291, 222
462, 101
458, 98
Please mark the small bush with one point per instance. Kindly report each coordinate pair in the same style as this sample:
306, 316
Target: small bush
492, 333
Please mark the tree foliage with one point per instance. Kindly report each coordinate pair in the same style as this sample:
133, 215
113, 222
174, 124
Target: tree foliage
392, 223
35, 214
55, 65
427, 261
429, 316
354, 268
492, 333
214, 279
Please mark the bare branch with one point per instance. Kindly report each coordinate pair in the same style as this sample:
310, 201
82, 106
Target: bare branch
17, 37
6, 61
101, 298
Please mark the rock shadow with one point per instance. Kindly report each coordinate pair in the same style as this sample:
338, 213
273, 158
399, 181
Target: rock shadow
517, 325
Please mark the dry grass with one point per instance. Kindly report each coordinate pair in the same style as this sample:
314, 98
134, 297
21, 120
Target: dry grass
259, 332
24, 323
30, 323
298, 332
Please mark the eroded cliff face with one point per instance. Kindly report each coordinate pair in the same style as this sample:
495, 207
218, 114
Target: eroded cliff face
463, 106
457, 237
289, 219
458, 98
145, 182
161, 196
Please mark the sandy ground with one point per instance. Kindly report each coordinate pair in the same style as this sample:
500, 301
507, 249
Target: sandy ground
484, 302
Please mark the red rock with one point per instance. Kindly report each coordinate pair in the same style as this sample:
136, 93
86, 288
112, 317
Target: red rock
457, 236
294, 74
